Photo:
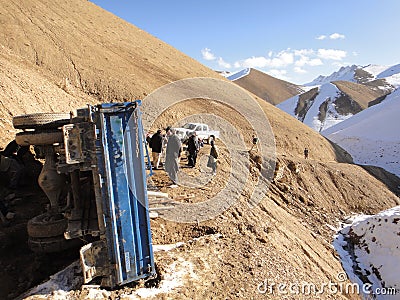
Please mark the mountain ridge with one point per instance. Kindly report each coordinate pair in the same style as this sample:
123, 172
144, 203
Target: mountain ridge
370, 75
330, 103
266, 87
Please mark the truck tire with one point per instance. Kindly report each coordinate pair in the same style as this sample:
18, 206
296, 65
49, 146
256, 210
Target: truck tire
45, 226
53, 244
39, 138
41, 120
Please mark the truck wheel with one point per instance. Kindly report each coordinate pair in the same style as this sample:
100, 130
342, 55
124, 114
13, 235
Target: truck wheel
41, 120
53, 244
45, 226
39, 138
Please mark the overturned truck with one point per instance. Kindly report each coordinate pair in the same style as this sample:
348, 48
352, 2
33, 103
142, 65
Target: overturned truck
94, 176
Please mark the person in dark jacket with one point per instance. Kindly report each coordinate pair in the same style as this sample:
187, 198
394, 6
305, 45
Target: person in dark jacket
156, 144
306, 153
254, 141
13, 150
193, 149
12, 171
212, 161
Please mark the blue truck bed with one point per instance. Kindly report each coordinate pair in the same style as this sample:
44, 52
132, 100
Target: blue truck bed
124, 252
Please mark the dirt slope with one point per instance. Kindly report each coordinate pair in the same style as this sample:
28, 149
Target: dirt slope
57, 56
266, 87
362, 94
79, 47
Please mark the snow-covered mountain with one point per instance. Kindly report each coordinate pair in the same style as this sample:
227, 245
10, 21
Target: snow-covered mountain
329, 104
344, 73
372, 136
334, 98
384, 77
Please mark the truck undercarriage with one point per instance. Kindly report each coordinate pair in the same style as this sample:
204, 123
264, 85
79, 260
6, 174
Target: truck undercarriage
94, 176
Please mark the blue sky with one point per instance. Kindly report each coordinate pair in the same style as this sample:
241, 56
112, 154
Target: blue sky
290, 39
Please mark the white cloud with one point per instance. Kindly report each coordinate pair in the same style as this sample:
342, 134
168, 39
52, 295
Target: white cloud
305, 58
282, 59
280, 74
315, 62
303, 52
207, 54
286, 62
224, 64
332, 54
299, 70
335, 36
254, 62
306, 61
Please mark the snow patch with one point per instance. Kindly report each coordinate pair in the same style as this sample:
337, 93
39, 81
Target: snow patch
174, 278
239, 74
63, 284
59, 284
375, 70
372, 136
289, 105
167, 247
370, 253
389, 71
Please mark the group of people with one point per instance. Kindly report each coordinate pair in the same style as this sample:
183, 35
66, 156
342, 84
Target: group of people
166, 151
171, 145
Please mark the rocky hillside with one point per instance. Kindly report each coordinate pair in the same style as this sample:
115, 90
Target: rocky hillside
266, 87
329, 104
57, 56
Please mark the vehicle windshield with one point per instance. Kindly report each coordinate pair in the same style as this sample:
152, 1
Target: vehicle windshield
189, 126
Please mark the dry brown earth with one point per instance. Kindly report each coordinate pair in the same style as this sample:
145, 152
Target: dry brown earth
362, 94
266, 87
57, 56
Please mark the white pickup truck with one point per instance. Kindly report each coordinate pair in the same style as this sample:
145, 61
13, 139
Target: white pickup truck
202, 131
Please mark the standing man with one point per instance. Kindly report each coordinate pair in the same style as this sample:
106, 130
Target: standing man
306, 153
213, 157
163, 149
173, 153
193, 149
156, 142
